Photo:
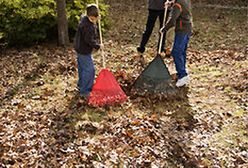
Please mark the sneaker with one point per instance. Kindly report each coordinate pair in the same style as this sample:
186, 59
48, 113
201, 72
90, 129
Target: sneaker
183, 81
141, 50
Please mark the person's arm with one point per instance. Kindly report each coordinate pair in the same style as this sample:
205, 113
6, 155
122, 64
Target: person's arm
174, 14
90, 37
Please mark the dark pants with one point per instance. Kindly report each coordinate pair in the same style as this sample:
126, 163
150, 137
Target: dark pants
151, 20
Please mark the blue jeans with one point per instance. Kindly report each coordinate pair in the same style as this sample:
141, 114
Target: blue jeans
86, 74
179, 53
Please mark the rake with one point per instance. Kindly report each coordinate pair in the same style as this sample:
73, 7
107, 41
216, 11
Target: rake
155, 77
106, 90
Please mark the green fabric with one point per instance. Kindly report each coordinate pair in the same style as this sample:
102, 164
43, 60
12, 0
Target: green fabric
155, 77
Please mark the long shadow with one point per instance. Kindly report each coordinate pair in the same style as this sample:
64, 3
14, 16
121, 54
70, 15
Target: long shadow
73, 123
65, 129
178, 109
175, 105
182, 112
38, 71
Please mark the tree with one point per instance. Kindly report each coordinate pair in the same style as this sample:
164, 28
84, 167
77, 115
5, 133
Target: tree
63, 37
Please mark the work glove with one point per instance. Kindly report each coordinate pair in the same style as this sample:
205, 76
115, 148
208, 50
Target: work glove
169, 3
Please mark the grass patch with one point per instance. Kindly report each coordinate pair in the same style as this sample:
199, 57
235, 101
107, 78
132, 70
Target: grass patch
1, 35
239, 113
219, 29
230, 135
206, 73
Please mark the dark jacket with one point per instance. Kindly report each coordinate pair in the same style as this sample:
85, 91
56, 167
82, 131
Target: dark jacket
85, 39
180, 17
156, 4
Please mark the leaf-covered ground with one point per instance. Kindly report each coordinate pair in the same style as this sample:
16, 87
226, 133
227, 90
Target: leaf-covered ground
43, 123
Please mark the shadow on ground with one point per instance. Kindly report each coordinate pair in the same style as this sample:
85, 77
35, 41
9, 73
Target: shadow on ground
65, 131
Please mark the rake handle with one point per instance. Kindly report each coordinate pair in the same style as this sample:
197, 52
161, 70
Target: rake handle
100, 34
162, 34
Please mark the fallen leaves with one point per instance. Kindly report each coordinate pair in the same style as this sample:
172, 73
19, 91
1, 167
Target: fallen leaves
44, 124
46, 121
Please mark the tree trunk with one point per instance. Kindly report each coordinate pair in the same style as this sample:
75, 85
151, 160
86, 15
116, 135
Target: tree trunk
63, 37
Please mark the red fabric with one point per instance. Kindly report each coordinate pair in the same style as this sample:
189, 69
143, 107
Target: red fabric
106, 90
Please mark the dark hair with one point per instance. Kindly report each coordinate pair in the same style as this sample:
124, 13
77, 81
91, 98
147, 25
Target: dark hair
92, 10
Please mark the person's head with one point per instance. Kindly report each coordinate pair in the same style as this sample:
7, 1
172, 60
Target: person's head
92, 12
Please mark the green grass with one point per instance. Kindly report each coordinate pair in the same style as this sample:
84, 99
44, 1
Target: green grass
1, 35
